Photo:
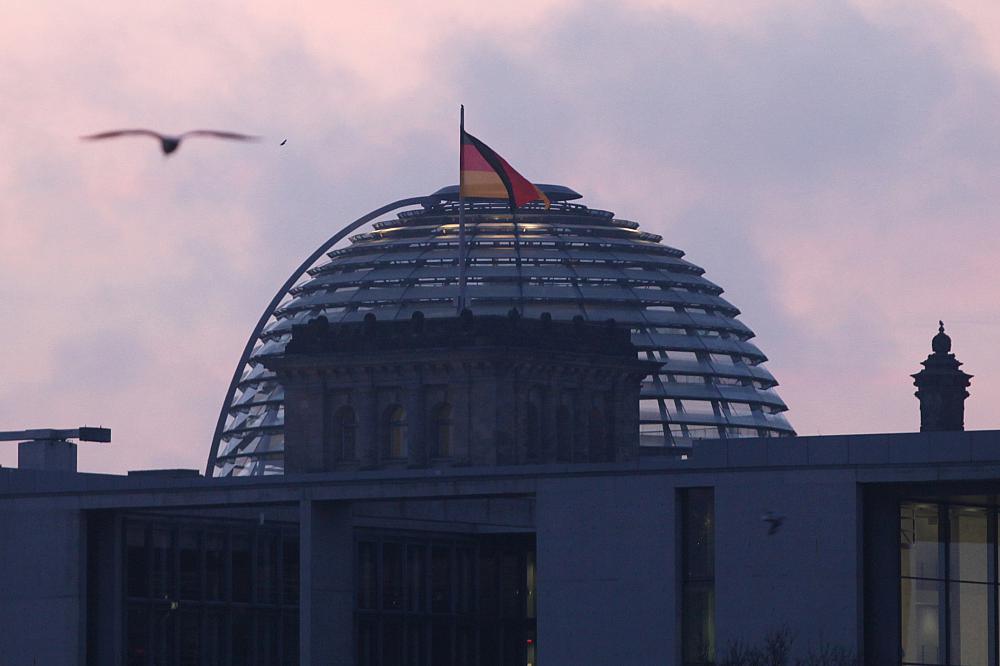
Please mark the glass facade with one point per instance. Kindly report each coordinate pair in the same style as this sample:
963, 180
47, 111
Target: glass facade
697, 519
444, 600
569, 260
948, 584
219, 593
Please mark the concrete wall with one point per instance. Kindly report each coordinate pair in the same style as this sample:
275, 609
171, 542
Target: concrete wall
608, 552
606, 570
42, 595
806, 577
326, 569
606, 540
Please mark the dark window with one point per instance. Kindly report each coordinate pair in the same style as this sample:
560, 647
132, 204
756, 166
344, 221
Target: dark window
440, 607
598, 435
392, 576
241, 567
137, 558
163, 569
697, 518
416, 578
290, 569
241, 635
441, 586
215, 567
367, 576
190, 638
345, 429
190, 564
395, 432
533, 431
207, 592
564, 434
137, 635
392, 641
267, 568
367, 641
215, 637
441, 430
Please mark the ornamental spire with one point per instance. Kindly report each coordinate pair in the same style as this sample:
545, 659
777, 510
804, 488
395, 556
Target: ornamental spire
941, 387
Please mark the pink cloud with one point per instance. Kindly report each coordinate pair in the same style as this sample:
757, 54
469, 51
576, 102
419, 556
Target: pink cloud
829, 164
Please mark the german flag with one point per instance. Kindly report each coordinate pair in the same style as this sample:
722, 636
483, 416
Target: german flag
486, 175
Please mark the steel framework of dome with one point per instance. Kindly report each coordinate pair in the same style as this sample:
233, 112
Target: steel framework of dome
569, 260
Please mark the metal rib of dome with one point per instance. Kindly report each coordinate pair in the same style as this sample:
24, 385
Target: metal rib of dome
569, 260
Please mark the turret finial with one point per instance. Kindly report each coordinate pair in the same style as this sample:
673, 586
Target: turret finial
941, 387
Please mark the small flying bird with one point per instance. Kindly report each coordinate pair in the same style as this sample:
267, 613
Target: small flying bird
283, 142
169, 143
773, 521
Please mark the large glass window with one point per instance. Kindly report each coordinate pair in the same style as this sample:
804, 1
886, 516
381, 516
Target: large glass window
697, 517
948, 584
442, 600
209, 592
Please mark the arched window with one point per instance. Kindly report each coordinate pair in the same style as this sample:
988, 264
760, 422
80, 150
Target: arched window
395, 432
564, 434
533, 431
441, 429
598, 435
345, 429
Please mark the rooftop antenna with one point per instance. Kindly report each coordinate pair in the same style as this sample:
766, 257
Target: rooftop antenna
49, 449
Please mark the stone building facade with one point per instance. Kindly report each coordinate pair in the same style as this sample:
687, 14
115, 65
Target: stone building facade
469, 390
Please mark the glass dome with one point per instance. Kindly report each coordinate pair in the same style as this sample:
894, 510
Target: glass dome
569, 260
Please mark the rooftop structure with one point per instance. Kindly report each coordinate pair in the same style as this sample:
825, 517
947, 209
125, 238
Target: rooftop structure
569, 260
941, 387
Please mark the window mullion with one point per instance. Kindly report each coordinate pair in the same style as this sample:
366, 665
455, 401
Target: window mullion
944, 537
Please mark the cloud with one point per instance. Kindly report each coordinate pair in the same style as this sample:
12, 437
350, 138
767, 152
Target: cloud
832, 164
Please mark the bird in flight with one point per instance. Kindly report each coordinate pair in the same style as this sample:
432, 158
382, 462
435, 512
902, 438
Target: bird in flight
169, 143
774, 522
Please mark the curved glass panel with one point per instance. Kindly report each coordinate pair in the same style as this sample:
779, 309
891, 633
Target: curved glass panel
569, 260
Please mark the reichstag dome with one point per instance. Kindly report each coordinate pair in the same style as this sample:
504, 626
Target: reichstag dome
568, 260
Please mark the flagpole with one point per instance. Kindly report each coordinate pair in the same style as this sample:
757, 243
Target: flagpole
517, 259
460, 301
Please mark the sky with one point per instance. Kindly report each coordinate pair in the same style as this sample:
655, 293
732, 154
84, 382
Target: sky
833, 165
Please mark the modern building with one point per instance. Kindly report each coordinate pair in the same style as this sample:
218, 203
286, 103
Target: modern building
479, 488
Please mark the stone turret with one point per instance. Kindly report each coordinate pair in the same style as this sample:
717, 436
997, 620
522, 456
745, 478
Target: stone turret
941, 387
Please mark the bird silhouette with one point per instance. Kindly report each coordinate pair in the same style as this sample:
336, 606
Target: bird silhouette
168, 142
774, 522
283, 142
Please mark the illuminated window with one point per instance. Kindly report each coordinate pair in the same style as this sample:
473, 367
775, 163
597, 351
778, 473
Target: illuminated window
948, 584
395, 432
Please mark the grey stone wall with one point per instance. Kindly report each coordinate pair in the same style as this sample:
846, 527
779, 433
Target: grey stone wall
491, 393
42, 586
